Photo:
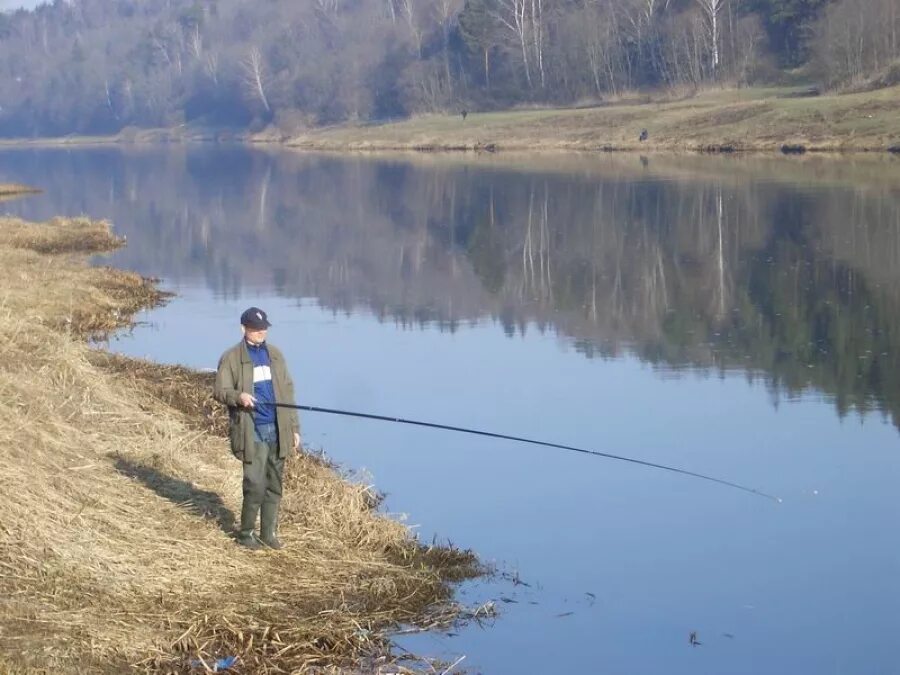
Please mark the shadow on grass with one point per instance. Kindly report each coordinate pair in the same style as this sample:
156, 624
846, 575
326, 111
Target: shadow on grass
203, 503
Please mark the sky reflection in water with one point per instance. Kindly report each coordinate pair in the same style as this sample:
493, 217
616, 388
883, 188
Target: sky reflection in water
736, 318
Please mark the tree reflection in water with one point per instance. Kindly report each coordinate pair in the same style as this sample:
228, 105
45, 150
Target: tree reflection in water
787, 270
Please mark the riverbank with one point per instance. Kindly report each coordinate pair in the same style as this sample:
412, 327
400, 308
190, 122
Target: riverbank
16, 190
722, 120
119, 498
10, 191
739, 120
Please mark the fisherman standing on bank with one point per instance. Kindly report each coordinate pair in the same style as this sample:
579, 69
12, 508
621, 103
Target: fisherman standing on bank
251, 377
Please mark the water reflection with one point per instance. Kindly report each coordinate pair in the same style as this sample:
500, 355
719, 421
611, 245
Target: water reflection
785, 270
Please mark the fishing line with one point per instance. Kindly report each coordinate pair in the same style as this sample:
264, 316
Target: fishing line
571, 448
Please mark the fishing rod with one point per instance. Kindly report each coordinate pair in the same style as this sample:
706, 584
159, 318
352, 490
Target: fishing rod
595, 453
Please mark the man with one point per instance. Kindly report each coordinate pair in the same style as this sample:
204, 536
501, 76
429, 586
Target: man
251, 377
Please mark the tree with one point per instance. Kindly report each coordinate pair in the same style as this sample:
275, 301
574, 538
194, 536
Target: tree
478, 29
254, 76
712, 10
858, 39
216, 61
788, 24
410, 10
514, 16
447, 10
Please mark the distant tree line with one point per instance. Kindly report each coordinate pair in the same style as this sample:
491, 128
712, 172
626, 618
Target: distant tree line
99, 66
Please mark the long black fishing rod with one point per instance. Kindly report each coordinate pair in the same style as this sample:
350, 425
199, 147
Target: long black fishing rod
595, 453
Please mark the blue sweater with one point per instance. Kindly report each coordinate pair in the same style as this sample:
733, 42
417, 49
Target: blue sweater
263, 391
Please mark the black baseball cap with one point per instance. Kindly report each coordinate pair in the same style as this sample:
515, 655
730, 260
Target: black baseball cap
255, 318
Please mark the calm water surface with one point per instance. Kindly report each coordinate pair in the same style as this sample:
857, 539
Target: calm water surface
735, 317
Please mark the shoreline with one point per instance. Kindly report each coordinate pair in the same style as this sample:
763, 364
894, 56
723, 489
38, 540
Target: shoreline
119, 554
719, 121
16, 190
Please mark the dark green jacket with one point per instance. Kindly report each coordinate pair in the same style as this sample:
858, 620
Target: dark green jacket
234, 376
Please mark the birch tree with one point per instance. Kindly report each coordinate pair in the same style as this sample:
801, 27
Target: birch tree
537, 35
408, 8
712, 11
254, 76
513, 15
211, 67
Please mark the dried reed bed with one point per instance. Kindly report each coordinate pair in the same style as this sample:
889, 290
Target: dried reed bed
16, 189
119, 497
65, 294
60, 235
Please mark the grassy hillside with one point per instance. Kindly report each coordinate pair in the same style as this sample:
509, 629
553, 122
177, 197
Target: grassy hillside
741, 119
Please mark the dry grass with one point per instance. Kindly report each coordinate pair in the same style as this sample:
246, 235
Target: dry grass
15, 189
118, 497
63, 294
60, 235
12, 191
732, 119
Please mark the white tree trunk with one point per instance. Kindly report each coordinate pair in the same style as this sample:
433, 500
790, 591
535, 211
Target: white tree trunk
195, 42
254, 76
712, 10
537, 30
329, 7
447, 9
211, 66
714, 18
513, 15
409, 12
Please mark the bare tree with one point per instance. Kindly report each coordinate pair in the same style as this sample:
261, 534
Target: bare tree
410, 13
328, 7
513, 15
254, 76
392, 10
537, 34
856, 39
211, 67
195, 43
712, 10
598, 35
447, 10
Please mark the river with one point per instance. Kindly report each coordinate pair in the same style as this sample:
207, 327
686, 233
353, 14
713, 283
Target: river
730, 316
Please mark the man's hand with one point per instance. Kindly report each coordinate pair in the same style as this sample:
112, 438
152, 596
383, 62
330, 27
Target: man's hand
246, 400
296, 442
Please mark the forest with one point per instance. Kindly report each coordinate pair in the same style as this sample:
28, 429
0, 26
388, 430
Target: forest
104, 66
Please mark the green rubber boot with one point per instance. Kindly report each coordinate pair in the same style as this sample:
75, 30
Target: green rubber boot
249, 540
246, 535
268, 525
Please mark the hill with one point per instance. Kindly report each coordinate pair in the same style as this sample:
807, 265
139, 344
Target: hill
98, 68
